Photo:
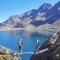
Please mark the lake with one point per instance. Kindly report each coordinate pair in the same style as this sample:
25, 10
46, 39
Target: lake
10, 39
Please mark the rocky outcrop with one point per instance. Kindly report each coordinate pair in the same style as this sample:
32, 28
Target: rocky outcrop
53, 52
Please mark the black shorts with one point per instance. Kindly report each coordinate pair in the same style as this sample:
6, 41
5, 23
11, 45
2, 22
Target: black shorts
20, 47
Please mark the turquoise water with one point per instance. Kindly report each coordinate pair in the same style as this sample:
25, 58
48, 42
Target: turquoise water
10, 40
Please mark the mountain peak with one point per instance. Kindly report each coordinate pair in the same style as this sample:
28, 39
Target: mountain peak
46, 4
58, 2
45, 7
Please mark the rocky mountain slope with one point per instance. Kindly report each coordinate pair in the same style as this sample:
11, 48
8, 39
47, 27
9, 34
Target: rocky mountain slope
45, 15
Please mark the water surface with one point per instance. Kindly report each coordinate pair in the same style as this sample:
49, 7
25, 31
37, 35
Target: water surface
10, 39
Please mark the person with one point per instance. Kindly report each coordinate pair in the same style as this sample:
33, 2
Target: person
38, 46
38, 43
20, 44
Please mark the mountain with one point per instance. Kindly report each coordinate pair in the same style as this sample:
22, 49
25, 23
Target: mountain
33, 17
51, 16
14, 21
46, 14
34, 12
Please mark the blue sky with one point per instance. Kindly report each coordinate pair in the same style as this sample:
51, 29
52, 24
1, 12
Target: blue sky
17, 7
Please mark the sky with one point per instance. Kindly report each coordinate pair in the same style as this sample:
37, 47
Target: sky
17, 7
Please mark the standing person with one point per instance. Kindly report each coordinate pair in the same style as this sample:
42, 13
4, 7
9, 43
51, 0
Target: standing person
20, 48
20, 44
38, 42
38, 46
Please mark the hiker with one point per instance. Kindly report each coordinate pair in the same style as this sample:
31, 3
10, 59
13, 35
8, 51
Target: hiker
20, 44
38, 46
38, 43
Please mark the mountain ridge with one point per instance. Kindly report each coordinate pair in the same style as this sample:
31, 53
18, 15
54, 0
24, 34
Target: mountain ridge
45, 14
